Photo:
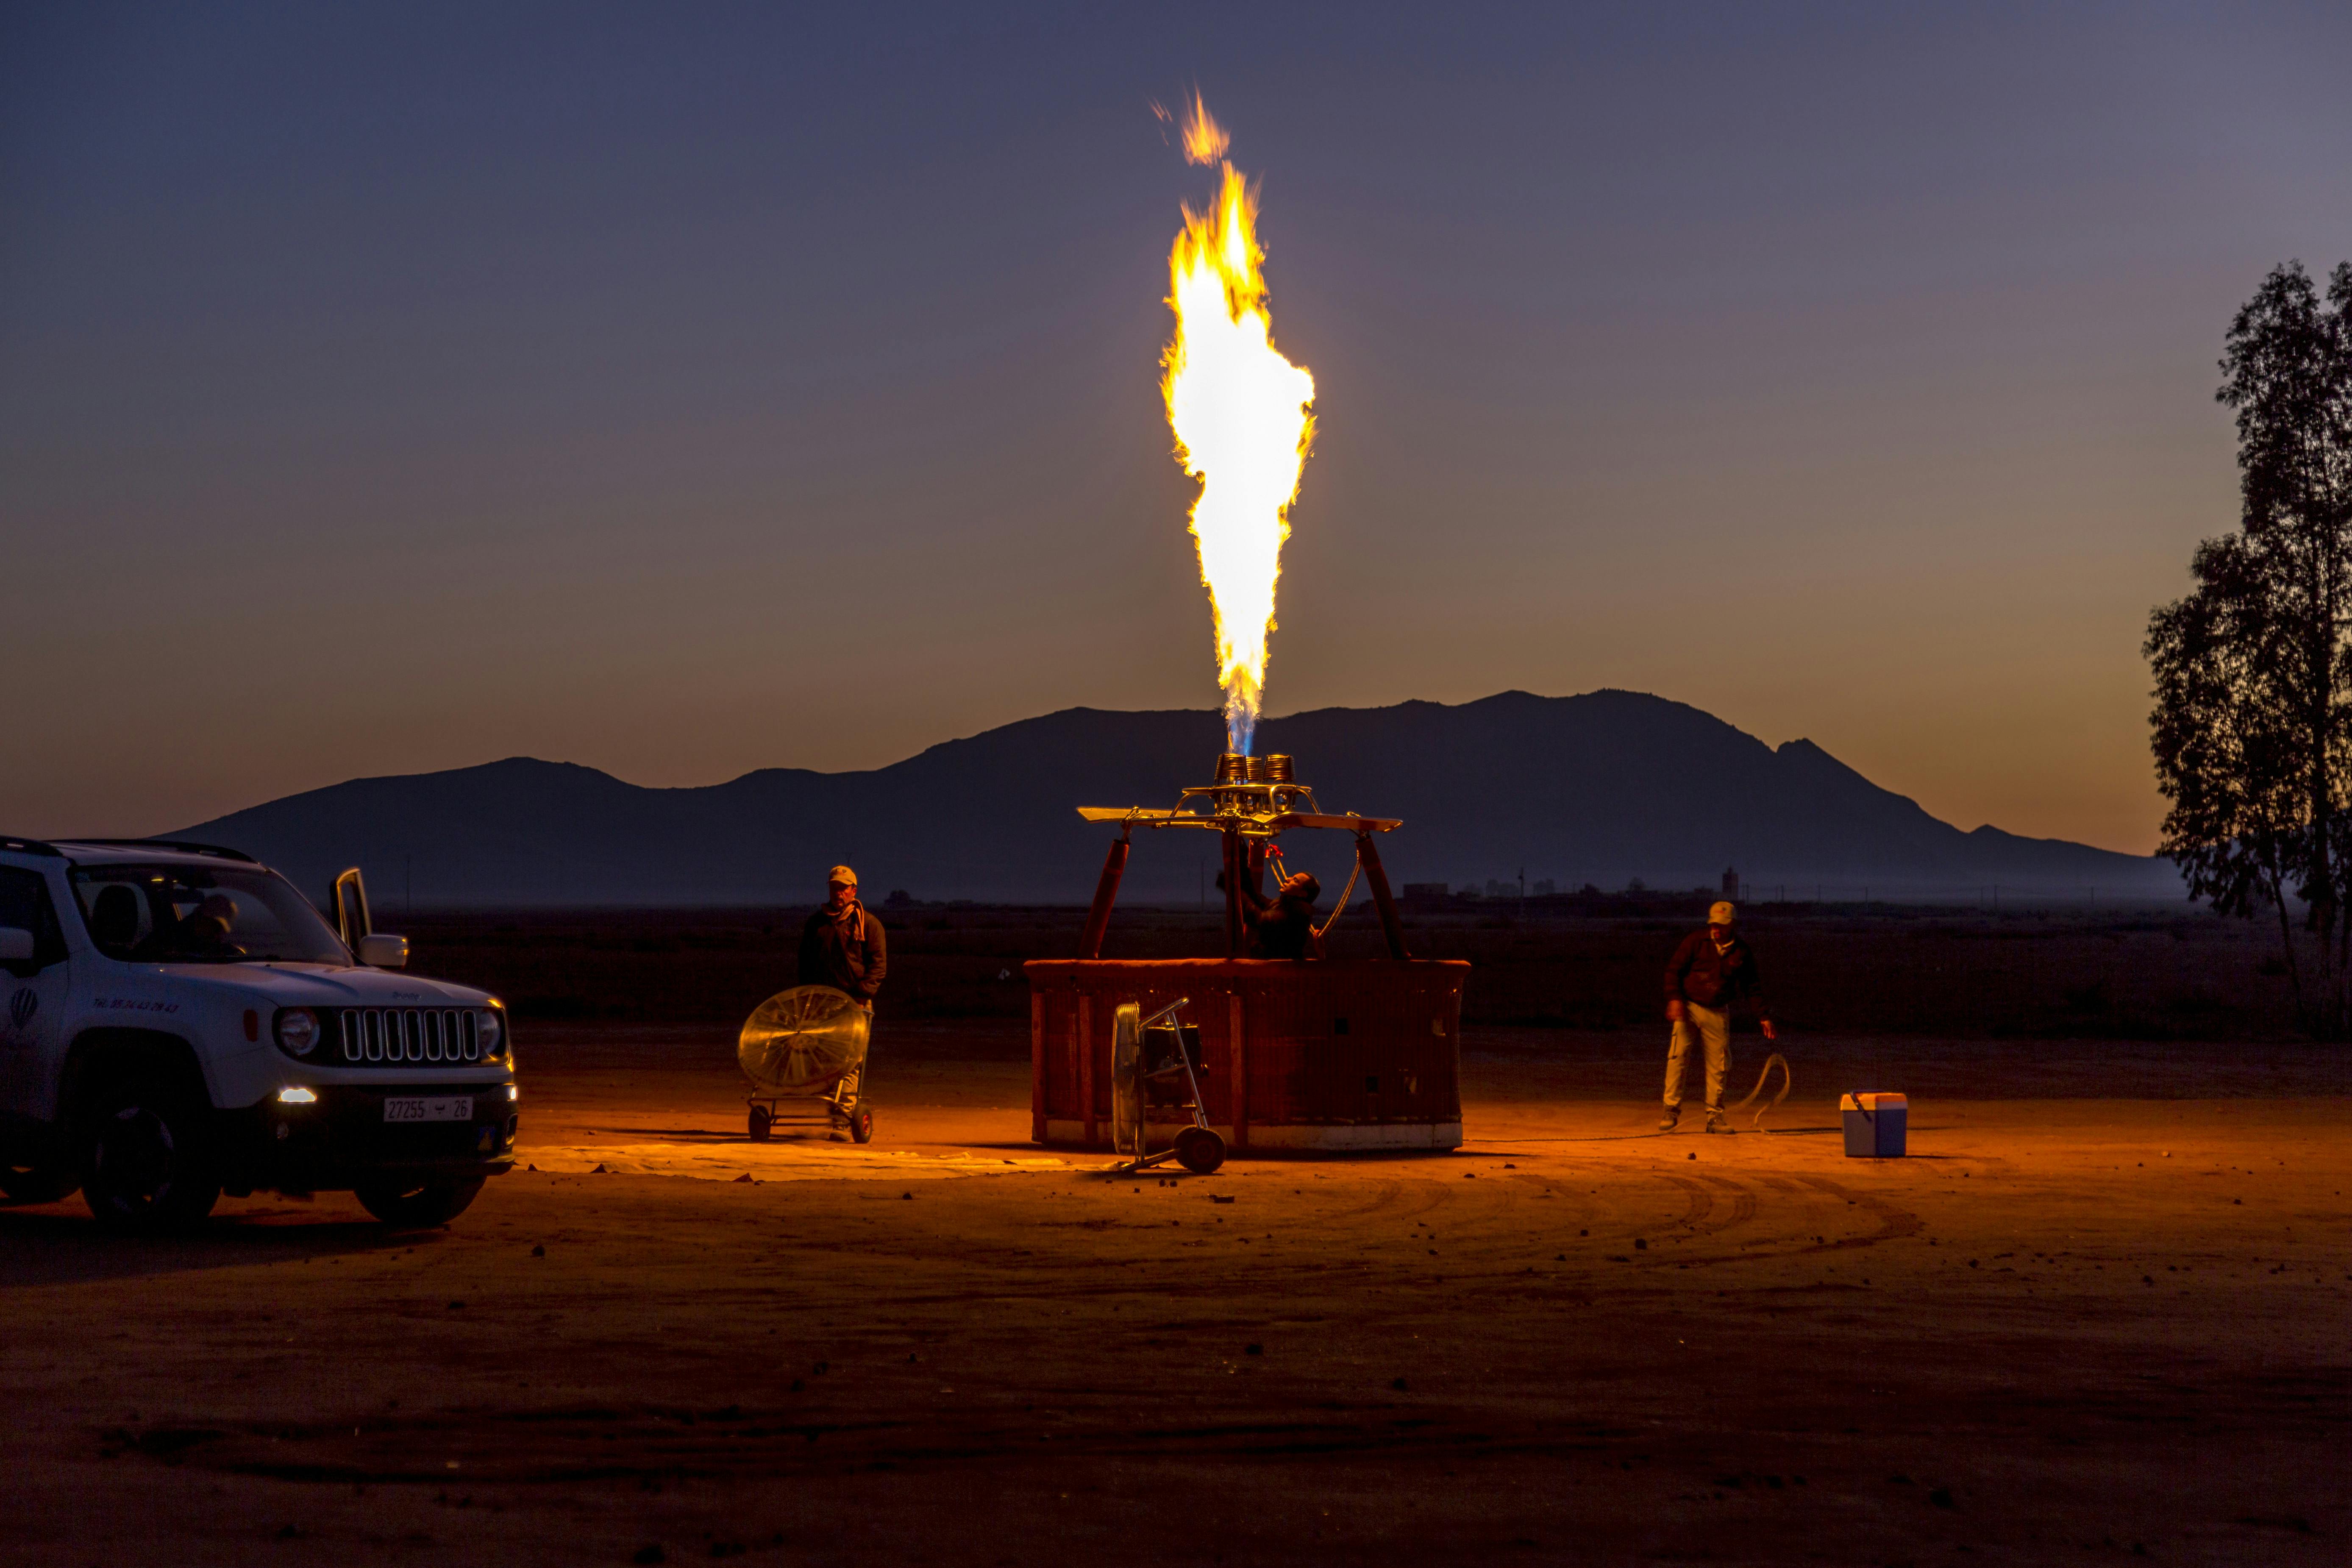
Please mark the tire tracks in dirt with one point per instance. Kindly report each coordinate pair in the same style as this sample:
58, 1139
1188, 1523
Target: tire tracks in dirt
1893, 1222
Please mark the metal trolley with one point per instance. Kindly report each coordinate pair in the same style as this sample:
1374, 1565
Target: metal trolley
1155, 1062
804, 1052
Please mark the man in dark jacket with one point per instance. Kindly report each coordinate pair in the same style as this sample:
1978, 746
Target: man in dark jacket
842, 945
1710, 974
1283, 925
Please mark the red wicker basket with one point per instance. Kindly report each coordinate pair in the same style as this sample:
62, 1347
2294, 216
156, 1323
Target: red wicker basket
1348, 1054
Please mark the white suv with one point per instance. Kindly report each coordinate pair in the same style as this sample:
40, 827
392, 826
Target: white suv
177, 1021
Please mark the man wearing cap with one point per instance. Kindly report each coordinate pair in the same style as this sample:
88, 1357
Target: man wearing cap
1712, 972
842, 945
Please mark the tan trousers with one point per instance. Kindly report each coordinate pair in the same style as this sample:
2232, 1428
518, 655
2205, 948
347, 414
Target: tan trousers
1706, 1028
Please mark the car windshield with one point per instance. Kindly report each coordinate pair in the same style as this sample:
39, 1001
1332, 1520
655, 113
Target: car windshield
202, 914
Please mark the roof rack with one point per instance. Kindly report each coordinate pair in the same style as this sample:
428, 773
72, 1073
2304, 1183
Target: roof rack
28, 846
181, 845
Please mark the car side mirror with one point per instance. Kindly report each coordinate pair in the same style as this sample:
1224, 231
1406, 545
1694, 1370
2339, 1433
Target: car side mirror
384, 951
15, 945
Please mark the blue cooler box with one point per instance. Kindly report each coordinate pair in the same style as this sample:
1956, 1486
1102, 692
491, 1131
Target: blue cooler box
1875, 1125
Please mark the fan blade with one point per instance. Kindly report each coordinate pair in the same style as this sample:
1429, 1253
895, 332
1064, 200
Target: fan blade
803, 1038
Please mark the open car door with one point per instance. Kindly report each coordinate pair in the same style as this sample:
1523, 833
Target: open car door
348, 904
358, 931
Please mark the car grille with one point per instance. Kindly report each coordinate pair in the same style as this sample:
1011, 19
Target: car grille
390, 1035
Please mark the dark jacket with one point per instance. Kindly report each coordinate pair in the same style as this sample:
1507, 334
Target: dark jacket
848, 956
1283, 927
1698, 974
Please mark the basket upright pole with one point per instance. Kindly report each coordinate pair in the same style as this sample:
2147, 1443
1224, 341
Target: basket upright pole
1106, 895
1233, 862
1368, 858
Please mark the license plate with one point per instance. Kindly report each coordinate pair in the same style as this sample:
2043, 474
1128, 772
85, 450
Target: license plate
451, 1108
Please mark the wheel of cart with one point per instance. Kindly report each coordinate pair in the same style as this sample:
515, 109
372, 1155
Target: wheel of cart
804, 1052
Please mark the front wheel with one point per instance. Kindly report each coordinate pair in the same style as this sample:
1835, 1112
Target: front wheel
1199, 1150
35, 1184
148, 1165
420, 1203
861, 1125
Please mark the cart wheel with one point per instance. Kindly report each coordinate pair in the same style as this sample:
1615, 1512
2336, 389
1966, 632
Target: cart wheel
759, 1120
861, 1125
1200, 1151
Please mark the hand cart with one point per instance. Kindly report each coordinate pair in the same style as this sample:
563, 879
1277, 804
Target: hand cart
804, 1052
1156, 1062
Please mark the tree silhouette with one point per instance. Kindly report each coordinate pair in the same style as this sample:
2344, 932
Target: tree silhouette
2253, 726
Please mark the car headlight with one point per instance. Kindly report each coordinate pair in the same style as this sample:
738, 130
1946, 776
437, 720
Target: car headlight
297, 1031
491, 1030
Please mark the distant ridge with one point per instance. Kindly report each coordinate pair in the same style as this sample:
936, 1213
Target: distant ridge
1603, 787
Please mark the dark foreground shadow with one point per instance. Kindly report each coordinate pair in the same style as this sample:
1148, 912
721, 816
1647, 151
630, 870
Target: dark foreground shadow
61, 1245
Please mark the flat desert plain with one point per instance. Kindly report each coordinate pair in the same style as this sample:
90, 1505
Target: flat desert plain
2099, 1312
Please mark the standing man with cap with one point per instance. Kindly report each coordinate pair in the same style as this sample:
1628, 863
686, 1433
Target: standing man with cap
843, 946
1710, 974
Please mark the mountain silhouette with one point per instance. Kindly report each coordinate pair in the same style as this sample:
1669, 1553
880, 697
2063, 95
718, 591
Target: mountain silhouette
1602, 788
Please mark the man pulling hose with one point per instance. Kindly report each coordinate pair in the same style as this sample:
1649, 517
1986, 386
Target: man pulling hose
1710, 974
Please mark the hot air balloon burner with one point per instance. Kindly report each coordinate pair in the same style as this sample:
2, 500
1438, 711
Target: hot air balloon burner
1254, 788
1326, 1053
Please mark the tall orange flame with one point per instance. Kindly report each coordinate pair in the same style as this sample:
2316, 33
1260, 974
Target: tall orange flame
1240, 413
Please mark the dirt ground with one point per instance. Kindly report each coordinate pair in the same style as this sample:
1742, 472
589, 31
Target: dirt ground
2099, 1312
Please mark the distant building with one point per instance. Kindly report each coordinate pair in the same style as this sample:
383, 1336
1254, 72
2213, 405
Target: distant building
1495, 890
1543, 889
899, 899
1432, 892
1731, 884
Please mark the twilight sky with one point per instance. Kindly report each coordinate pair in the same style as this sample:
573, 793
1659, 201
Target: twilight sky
683, 389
